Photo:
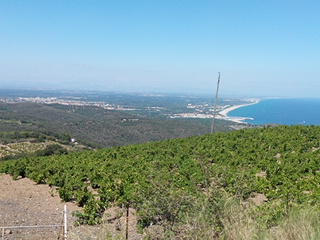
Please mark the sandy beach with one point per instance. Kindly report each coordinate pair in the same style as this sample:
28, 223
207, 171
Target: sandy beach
224, 113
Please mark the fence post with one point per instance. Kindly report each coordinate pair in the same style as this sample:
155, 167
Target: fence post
127, 222
65, 225
2, 237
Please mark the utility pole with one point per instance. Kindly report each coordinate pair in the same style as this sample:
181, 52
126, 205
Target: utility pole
215, 106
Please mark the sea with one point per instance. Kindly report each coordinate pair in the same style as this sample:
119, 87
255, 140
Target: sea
281, 111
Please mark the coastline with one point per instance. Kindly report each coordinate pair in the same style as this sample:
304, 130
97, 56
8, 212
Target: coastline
224, 113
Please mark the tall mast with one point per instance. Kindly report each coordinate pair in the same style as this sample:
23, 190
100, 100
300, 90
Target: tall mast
215, 106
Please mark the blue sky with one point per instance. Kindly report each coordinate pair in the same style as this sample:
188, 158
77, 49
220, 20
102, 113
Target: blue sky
262, 48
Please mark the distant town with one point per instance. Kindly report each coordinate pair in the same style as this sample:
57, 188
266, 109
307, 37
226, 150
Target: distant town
199, 111
144, 104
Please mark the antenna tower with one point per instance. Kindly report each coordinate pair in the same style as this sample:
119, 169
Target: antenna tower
215, 106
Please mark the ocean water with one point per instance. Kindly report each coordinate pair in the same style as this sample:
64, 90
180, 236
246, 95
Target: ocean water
281, 111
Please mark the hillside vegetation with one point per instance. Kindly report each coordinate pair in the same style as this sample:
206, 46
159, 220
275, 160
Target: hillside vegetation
18, 144
205, 187
93, 126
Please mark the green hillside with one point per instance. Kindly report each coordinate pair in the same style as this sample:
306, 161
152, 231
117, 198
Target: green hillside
92, 126
194, 180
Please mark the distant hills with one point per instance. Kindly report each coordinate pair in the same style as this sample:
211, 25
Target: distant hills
93, 126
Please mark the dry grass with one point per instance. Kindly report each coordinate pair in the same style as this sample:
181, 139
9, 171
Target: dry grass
301, 224
237, 224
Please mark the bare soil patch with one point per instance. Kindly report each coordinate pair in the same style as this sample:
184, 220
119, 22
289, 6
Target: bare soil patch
25, 203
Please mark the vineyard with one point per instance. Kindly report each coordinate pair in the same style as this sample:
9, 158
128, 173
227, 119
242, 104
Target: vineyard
187, 182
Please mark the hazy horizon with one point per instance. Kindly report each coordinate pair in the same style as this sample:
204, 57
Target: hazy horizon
222, 96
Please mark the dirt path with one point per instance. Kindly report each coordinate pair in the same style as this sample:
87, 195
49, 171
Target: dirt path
25, 203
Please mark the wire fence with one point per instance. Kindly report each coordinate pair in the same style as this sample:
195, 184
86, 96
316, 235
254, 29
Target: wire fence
59, 231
